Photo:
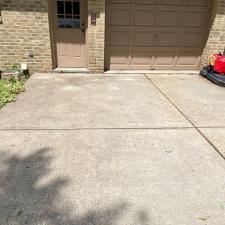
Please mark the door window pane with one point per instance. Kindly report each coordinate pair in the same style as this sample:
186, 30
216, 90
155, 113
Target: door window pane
68, 7
76, 21
61, 21
69, 21
68, 13
76, 8
60, 7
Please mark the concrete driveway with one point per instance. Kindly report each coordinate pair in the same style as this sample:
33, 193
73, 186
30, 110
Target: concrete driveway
114, 150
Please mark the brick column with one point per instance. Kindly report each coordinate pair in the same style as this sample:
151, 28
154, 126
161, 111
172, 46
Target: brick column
216, 40
96, 36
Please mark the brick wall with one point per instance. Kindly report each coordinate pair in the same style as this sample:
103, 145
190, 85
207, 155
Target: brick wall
96, 36
216, 39
24, 30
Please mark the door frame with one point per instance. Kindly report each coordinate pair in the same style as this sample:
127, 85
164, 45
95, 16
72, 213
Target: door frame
52, 29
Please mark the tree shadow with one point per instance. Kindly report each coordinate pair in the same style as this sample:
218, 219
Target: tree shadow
24, 201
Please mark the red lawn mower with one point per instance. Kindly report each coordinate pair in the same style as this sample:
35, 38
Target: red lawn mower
215, 70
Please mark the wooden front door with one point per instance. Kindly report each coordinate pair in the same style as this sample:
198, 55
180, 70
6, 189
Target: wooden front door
70, 29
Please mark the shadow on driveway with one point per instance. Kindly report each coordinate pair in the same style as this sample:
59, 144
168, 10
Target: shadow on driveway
24, 201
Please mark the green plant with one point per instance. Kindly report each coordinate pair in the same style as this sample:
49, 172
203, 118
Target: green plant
13, 67
9, 88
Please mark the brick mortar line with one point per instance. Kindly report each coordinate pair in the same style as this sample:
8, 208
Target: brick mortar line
186, 117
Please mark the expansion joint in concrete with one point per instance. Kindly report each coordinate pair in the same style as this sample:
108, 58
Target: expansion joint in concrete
185, 116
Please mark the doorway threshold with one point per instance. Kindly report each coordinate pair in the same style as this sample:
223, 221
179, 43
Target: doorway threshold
71, 70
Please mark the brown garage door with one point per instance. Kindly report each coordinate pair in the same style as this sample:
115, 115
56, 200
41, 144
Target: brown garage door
156, 34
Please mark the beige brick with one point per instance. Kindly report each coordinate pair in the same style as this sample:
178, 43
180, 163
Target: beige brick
96, 34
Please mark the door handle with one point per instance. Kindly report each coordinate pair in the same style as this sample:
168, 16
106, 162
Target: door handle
83, 27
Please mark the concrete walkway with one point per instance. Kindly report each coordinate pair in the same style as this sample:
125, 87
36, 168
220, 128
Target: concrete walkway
114, 150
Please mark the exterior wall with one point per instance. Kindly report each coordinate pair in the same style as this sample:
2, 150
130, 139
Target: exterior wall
96, 36
216, 39
25, 29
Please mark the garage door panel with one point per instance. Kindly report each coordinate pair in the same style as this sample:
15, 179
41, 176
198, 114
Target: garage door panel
119, 38
143, 39
171, 2
139, 67
197, 2
167, 38
120, 16
169, 16
145, 16
119, 28
143, 57
194, 17
119, 56
191, 39
120, 1
165, 58
146, 2
188, 57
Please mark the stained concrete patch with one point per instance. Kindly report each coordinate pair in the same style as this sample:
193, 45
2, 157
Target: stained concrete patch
90, 102
71, 88
217, 137
202, 101
159, 177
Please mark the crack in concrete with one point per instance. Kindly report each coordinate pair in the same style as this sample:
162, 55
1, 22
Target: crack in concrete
91, 128
103, 128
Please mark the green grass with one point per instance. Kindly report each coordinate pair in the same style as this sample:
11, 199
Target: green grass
9, 88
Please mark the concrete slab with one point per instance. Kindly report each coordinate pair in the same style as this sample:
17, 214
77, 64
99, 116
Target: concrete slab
101, 177
202, 101
82, 101
217, 137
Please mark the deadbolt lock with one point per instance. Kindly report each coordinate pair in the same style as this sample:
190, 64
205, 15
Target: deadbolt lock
1, 21
83, 27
